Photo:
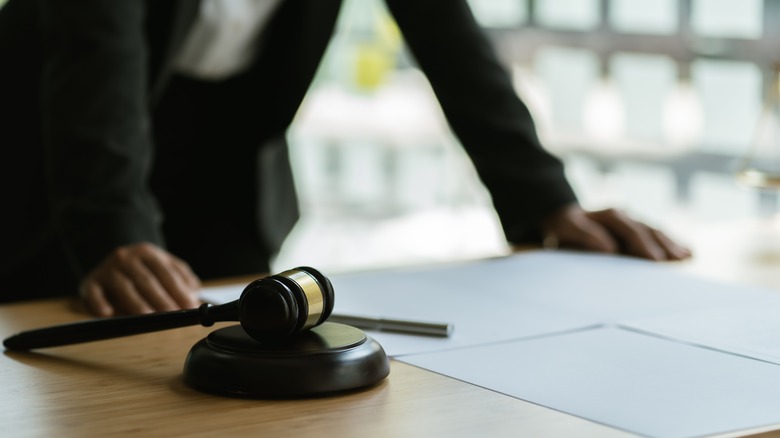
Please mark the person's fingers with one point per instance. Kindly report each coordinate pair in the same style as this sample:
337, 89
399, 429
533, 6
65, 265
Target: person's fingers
95, 299
571, 227
636, 237
172, 281
123, 294
674, 251
191, 281
140, 278
148, 285
131, 283
641, 239
190, 278
589, 235
609, 231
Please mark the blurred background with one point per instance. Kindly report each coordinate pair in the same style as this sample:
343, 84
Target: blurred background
651, 104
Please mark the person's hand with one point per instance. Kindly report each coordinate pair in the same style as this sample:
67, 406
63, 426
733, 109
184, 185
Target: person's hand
137, 279
609, 231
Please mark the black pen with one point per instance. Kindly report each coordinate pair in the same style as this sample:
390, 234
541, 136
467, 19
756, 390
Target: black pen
423, 328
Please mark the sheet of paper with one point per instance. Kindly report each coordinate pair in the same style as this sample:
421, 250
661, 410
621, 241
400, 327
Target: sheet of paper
751, 329
479, 315
529, 294
601, 287
525, 295
527, 325
639, 383
610, 288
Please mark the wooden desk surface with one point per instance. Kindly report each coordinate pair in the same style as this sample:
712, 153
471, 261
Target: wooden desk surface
133, 386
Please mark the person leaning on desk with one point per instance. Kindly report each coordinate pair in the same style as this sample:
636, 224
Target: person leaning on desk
131, 132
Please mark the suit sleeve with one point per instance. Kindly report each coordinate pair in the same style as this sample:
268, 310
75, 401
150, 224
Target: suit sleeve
96, 126
526, 183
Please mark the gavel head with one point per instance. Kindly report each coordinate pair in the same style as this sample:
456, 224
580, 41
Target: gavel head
278, 306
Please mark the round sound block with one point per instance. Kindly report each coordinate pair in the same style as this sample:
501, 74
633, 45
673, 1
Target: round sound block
328, 358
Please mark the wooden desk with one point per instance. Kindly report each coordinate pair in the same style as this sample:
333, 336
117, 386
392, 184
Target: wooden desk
132, 387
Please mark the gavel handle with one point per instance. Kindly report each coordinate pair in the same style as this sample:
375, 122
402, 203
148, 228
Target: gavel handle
114, 327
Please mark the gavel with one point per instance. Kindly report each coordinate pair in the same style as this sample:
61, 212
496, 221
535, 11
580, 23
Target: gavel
270, 309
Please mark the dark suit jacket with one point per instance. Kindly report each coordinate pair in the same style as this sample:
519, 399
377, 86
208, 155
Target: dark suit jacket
83, 97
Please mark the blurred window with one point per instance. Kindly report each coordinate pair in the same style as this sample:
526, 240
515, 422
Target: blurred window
642, 16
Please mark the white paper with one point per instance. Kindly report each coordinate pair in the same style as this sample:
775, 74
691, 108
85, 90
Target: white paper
627, 380
601, 287
480, 311
751, 329
524, 326
524, 295
606, 287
